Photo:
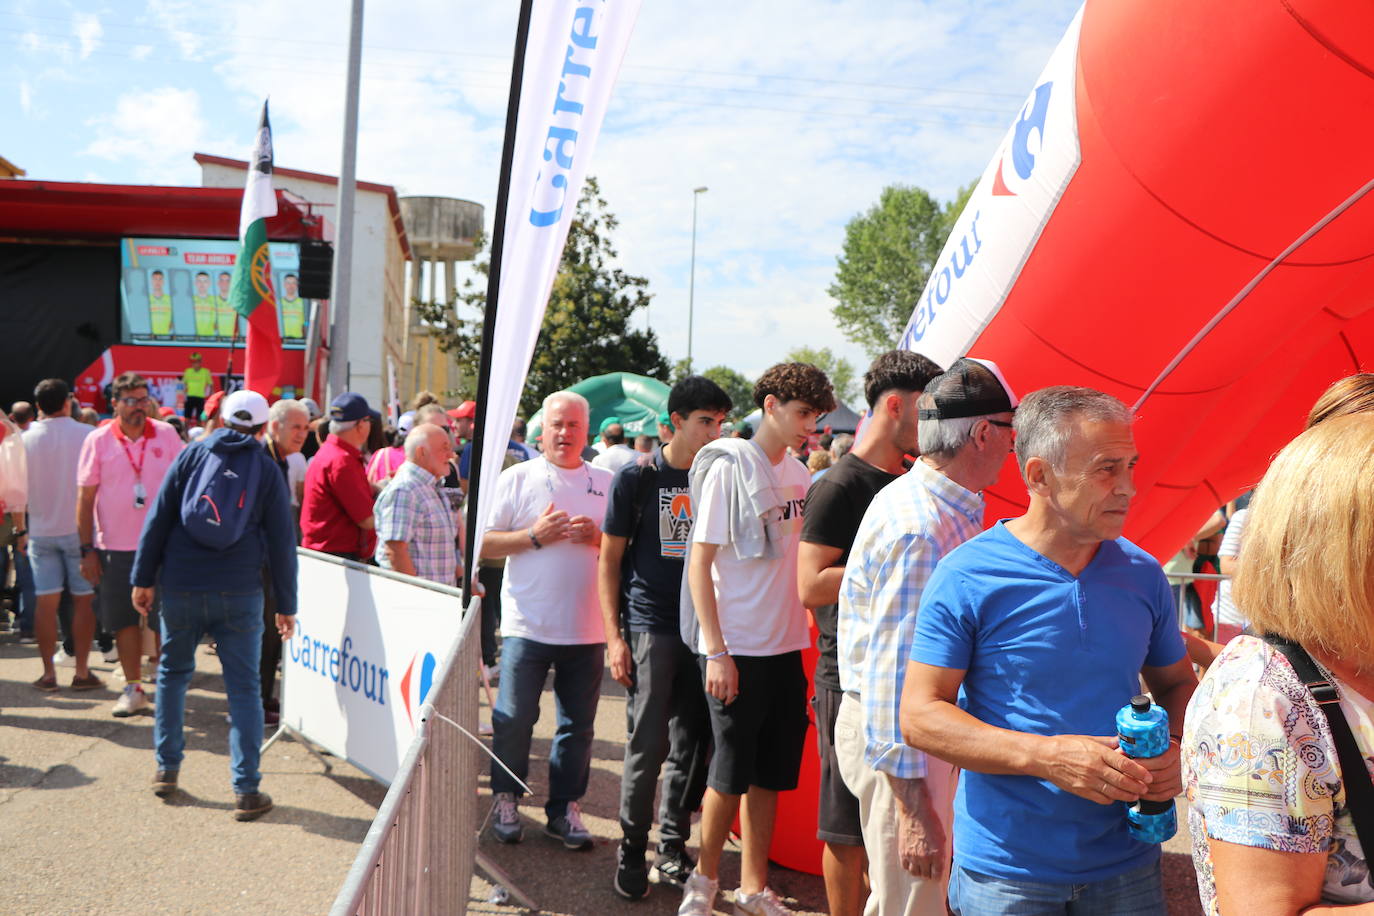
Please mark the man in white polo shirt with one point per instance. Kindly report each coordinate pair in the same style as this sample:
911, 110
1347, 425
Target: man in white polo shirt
546, 518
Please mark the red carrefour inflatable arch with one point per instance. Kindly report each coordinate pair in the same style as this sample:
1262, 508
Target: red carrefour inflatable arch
1181, 215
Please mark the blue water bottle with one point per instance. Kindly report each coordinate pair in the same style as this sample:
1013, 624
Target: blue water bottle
1143, 731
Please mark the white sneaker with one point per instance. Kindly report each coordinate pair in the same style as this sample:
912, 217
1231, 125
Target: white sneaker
764, 903
132, 700
698, 896
61, 659
111, 657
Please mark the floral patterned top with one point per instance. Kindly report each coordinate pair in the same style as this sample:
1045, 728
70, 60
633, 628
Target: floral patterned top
1260, 768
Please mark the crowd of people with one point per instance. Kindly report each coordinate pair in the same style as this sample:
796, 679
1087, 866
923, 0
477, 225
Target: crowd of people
968, 676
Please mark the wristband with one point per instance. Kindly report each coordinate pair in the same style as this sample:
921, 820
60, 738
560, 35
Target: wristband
534, 540
87, 548
21, 532
720, 654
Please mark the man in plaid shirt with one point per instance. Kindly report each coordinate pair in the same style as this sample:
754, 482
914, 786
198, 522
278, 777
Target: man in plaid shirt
905, 797
416, 528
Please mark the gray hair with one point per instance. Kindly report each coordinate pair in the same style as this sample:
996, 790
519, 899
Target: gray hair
420, 437
280, 410
841, 446
1045, 420
570, 396
341, 426
942, 439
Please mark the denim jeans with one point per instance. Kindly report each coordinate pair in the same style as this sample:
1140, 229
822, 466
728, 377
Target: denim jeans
27, 598
1139, 892
234, 619
577, 673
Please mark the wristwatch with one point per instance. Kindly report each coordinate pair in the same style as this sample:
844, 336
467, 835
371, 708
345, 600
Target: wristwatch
534, 540
87, 548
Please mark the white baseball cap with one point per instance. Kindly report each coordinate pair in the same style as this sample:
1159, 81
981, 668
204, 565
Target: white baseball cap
244, 409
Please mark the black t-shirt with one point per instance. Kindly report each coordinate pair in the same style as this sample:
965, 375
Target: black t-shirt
652, 567
835, 505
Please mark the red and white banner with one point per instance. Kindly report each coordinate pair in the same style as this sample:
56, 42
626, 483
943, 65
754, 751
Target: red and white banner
572, 58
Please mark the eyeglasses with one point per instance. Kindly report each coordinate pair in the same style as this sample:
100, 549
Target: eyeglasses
135, 402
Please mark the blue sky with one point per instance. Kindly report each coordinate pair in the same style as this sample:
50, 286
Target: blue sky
795, 116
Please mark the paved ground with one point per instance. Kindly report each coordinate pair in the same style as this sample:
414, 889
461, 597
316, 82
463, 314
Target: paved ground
85, 835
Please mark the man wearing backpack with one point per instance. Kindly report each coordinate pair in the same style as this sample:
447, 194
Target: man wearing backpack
639, 578
223, 513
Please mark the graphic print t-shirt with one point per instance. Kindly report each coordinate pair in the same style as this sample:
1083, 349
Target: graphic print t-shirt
760, 612
654, 559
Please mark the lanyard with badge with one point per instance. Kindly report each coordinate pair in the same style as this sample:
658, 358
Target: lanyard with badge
140, 494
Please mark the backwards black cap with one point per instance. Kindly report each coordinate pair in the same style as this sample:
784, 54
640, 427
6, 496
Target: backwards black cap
969, 388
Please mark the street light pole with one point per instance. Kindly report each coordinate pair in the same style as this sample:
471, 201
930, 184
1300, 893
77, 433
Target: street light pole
692, 276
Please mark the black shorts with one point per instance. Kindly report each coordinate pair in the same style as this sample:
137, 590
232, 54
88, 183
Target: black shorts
115, 603
837, 815
759, 738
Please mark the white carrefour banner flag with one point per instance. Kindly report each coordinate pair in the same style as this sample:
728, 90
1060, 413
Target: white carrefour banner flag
1004, 216
572, 58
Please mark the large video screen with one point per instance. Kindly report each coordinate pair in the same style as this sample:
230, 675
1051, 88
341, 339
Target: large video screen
175, 292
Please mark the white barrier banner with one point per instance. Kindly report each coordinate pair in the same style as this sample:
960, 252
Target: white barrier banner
364, 657
572, 57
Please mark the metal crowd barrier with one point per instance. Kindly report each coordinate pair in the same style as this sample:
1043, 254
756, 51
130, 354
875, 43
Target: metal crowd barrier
1180, 581
418, 855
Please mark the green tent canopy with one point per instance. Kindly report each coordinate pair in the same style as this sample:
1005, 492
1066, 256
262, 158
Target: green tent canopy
636, 399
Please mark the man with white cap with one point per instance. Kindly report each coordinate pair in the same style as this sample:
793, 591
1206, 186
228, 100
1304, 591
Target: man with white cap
905, 797
222, 514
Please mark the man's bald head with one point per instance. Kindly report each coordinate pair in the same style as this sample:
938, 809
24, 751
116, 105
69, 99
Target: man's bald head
429, 447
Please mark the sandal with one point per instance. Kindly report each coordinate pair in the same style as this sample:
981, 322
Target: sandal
46, 684
89, 682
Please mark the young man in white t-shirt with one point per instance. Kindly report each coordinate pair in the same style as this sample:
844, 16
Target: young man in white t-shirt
742, 577
546, 519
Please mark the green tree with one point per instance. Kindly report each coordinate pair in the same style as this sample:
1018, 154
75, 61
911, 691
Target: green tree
889, 252
586, 329
841, 371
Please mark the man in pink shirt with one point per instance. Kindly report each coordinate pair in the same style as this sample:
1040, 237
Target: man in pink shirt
119, 474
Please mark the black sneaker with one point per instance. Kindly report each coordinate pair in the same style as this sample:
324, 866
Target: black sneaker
631, 871
673, 865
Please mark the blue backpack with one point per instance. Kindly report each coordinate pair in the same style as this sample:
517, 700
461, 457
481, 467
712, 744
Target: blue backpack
219, 500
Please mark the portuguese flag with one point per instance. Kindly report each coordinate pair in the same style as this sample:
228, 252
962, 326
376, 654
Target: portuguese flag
251, 292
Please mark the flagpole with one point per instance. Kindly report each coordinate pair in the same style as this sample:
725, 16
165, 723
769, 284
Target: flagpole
229, 370
498, 244
342, 290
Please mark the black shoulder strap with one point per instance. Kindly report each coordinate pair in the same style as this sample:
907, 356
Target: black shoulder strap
1359, 787
648, 476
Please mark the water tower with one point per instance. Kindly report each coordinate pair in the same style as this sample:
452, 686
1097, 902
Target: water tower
442, 231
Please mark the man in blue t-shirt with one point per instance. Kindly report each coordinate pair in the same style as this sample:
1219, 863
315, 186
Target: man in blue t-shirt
1029, 639
643, 546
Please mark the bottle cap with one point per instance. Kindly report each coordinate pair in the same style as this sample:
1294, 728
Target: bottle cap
1140, 703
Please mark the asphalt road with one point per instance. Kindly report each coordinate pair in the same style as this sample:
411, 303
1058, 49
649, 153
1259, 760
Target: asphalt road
85, 834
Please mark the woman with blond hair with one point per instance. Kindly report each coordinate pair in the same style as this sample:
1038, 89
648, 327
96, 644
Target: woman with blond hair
1275, 816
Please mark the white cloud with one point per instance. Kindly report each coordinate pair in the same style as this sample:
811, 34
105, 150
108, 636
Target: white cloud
88, 31
150, 132
141, 52
25, 97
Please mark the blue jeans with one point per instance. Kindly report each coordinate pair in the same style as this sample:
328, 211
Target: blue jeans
23, 584
1139, 892
577, 673
234, 619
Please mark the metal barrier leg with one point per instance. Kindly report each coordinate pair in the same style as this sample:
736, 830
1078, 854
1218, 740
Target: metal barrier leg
300, 739
499, 877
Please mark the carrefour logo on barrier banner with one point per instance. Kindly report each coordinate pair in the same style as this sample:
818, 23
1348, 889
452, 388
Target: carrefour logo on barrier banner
416, 682
352, 670
1004, 216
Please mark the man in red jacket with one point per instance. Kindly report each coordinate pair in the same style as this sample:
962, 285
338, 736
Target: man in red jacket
336, 510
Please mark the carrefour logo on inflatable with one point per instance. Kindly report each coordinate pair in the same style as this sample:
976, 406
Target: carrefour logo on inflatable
1004, 216
416, 683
